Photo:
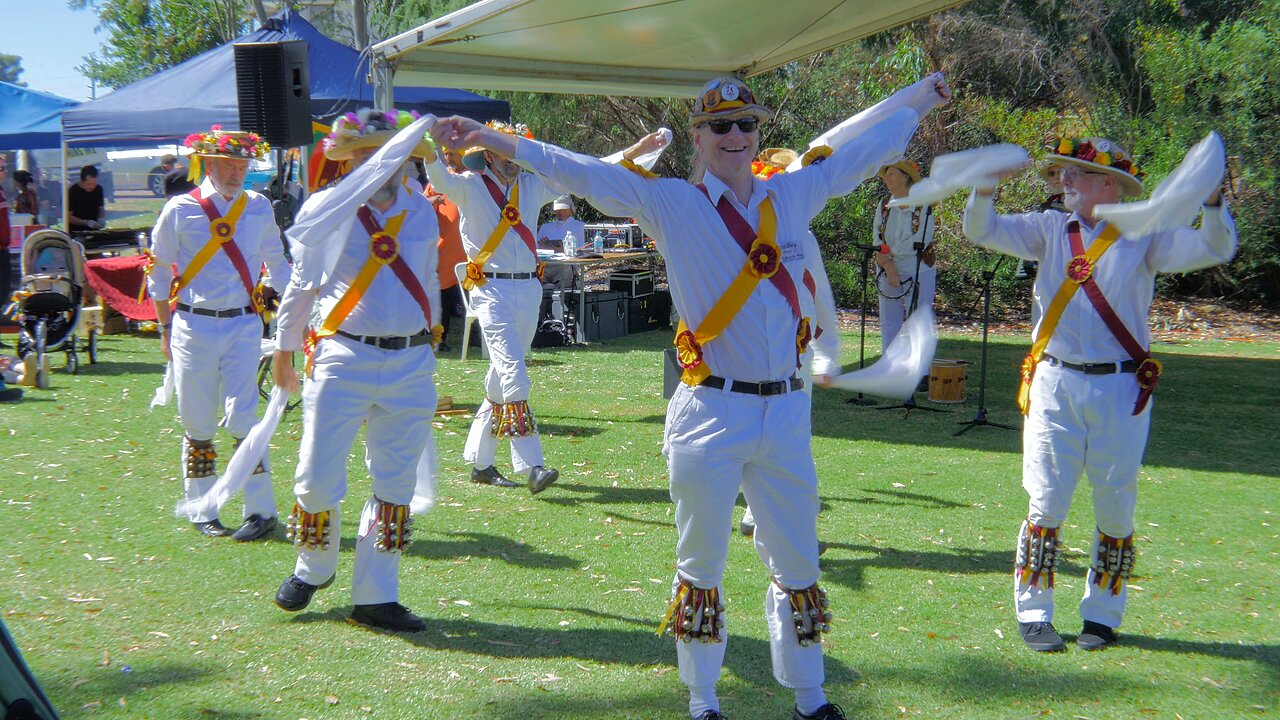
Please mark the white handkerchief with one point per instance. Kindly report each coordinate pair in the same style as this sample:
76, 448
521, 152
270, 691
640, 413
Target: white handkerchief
1178, 200
906, 360
647, 160
164, 393
956, 171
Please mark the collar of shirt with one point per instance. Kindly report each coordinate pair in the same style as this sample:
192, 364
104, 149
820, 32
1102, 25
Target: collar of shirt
209, 191
502, 184
399, 203
717, 188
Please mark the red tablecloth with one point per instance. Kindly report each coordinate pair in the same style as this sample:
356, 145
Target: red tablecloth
118, 280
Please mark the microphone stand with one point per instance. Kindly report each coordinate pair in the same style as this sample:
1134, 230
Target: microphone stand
867, 252
910, 403
980, 419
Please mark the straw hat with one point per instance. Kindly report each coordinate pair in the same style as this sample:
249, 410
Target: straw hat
473, 158
910, 168
227, 143
367, 128
726, 97
1096, 154
772, 161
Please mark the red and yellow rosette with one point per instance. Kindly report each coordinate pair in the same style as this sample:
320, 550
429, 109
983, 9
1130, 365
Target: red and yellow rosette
1079, 270
1149, 371
1024, 387
309, 342
437, 334
383, 248
474, 277
148, 265
804, 335
221, 231
762, 261
507, 217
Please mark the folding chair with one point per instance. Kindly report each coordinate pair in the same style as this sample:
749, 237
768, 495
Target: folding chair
460, 271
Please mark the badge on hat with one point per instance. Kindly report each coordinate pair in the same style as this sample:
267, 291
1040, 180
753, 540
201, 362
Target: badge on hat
729, 92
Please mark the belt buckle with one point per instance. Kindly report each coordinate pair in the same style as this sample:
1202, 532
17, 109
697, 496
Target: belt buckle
772, 388
391, 343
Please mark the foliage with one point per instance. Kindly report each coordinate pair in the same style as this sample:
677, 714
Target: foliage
10, 69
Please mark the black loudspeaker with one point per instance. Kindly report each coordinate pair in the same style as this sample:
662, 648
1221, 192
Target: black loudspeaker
274, 91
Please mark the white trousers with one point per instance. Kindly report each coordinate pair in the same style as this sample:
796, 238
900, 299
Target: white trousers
215, 363
392, 393
893, 312
1081, 425
719, 443
508, 313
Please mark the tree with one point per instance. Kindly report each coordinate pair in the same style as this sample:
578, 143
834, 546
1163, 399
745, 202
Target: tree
10, 69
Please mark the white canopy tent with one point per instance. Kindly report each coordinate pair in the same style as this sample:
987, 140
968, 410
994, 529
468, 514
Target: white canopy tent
662, 48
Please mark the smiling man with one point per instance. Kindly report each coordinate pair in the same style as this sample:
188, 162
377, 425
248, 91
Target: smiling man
1088, 380
740, 262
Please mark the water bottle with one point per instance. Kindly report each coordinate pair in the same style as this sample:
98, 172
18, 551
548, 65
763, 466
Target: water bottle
597, 243
570, 244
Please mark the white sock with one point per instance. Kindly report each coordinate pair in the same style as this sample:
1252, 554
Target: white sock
702, 699
808, 700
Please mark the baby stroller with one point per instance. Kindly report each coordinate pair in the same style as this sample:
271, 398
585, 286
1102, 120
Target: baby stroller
48, 301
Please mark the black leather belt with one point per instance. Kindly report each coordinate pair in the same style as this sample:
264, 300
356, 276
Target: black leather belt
777, 387
1110, 368
234, 312
391, 342
511, 276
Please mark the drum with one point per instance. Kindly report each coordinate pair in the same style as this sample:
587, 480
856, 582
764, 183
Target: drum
947, 380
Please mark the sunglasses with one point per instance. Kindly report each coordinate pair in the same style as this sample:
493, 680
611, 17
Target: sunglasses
722, 127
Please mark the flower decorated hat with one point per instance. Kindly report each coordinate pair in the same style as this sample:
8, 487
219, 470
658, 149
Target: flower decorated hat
910, 168
227, 143
366, 128
772, 161
473, 158
1095, 154
726, 97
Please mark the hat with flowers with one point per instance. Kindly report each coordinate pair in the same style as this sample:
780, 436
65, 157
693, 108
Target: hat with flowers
772, 161
369, 128
726, 97
227, 143
1096, 154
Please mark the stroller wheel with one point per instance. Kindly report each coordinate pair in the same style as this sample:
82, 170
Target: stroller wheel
73, 363
93, 347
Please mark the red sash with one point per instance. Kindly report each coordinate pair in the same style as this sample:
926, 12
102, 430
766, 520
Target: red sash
501, 199
229, 247
812, 286
399, 266
1148, 367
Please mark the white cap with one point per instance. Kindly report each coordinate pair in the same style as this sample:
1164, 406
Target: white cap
564, 202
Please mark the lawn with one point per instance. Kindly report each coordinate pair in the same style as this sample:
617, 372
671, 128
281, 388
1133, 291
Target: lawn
546, 607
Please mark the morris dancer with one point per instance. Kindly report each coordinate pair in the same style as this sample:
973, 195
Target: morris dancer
1087, 383
219, 235
738, 256
497, 204
905, 281
371, 363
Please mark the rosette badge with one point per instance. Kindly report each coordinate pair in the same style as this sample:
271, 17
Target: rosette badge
383, 247
763, 260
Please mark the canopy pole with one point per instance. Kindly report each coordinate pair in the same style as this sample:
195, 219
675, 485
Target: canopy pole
62, 183
383, 91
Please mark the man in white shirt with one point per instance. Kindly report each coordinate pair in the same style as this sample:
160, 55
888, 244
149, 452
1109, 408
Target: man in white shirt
739, 258
551, 237
371, 364
219, 235
497, 203
1088, 381
905, 281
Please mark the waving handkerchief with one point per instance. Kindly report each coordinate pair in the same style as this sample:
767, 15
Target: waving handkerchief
906, 360
649, 159
242, 463
164, 393
1177, 201
424, 490
957, 171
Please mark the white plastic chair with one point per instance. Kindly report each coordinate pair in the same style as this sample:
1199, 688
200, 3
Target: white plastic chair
460, 271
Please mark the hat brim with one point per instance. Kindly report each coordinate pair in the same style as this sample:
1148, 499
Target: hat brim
1130, 186
347, 148
473, 160
759, 112
227, 156
912, 174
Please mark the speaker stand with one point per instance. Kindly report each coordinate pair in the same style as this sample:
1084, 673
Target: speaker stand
980, 419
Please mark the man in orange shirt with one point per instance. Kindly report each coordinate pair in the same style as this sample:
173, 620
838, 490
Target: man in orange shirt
451, 251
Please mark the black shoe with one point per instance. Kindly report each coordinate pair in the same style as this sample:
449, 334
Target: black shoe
923, 385
294, 594
388, 616
254, 527
490, 476
746, 528
1041, 637
541, 478
1095, 636
10, 395
211, 528
830, 711
709, 715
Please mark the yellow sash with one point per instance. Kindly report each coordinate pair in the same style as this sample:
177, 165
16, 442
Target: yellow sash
220, 231
689, 345
507, 217
1049, 322
364, 278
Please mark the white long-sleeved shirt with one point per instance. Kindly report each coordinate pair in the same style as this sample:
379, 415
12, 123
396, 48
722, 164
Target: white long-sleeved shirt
183, 229
897, 232
386, 308
702, 257
480, 214
1126, 273
555, 230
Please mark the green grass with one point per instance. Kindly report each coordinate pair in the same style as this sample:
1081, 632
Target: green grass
545, 607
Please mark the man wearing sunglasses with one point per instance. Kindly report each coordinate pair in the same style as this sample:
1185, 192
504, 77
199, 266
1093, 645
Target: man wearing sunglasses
1088, 380
740, 261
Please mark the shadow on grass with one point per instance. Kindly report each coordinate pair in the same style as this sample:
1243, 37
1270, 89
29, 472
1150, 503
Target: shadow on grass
899, 499
607, 495
552, 429
108, 368
1264, 654
473, 544
749, 658
850, 572
65, 693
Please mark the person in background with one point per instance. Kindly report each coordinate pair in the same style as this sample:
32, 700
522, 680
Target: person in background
175, 180
448, 217
5, 264
86, 207
26, 200
551, 237
896, 230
